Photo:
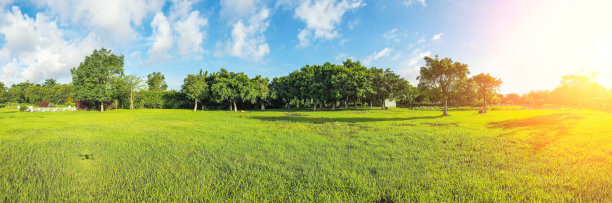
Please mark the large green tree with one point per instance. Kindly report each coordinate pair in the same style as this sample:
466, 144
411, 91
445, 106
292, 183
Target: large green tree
232, 87
92, 77
3, 93
157, 82
260, 90
282, 89
195, 87
359, 81
486, 87
442, 76
126, 86
387, 85
17, 92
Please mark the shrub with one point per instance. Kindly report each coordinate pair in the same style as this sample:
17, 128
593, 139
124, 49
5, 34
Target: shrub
42, 104
23, 108
149, 99
175, 100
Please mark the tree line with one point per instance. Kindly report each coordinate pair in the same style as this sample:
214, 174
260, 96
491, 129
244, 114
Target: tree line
99, 82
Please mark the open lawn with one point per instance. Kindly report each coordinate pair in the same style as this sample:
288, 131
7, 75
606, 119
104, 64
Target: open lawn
363, 156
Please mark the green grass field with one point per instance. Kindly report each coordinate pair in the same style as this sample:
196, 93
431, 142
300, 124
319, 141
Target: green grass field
356, 156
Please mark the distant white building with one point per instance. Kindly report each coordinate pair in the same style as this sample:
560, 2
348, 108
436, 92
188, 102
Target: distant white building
389, 103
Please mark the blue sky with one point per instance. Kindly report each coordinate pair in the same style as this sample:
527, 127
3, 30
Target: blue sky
525, 43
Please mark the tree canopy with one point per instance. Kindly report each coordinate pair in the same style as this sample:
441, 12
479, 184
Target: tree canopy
487, 87
442, 77
99, 80
92, 77
195, 87
157, 82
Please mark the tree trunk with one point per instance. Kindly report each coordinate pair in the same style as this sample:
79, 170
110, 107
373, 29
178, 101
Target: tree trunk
484, 106
346, 102
235, 108
445, 109
101, 106
263, 107
195, 108
131, 100
355, 104
370, 104
230, 105
383, 104
334, 107
314, 105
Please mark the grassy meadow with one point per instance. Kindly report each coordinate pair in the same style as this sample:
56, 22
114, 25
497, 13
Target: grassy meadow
326, 156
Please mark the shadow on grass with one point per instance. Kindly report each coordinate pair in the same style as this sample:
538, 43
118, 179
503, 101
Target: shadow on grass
320, 120
544, 129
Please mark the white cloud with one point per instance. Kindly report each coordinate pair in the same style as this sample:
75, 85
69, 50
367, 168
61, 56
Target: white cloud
190, 33
410, 67
249, 21
113, 20
43, 54
304, 38
248, 41
437, 37
162, 38
376, 55
410, 2
321, 18
183, 28
392, 35
180, 9
238, 9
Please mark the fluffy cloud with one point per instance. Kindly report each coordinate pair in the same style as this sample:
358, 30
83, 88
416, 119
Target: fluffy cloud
190, 33
437, 37
249, 21
376, 55
113, 20
35, 48
183, 27
162, 37
248, 41
239, 9
321, 18
410, 67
